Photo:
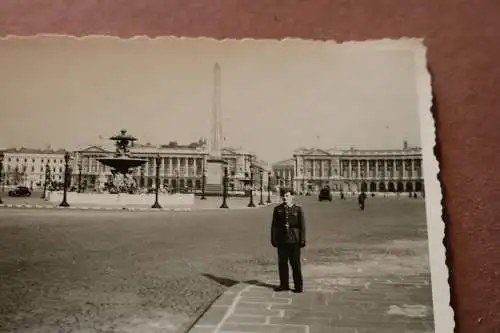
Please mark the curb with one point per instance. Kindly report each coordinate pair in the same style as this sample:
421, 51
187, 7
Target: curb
142, 209
200, 322
237, 208
96, 208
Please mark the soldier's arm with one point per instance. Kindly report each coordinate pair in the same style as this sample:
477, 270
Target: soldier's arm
302, 226
273, 227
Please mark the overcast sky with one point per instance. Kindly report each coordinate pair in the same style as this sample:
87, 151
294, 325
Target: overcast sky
275, 97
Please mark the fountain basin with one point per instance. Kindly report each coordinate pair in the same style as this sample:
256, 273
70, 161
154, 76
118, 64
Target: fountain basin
122, 199
122, 164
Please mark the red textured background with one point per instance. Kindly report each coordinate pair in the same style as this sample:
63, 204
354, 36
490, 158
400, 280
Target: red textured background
463, 40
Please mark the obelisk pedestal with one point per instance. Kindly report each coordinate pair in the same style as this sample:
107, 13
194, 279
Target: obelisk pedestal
215, 165
214, 185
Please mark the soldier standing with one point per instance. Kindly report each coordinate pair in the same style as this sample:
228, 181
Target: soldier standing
361, 200
288, 235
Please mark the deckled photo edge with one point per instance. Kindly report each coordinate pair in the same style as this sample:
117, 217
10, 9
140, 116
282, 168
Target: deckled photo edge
382, 43
443, 312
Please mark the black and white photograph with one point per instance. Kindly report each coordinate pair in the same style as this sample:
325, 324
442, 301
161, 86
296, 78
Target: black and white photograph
219, 186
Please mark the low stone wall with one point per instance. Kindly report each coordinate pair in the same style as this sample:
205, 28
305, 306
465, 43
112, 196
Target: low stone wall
122, 199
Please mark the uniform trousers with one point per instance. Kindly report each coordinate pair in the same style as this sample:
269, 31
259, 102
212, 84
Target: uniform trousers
289, 253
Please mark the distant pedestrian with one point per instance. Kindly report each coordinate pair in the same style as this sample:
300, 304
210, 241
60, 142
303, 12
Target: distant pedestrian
288, 235
361, 200
342, 196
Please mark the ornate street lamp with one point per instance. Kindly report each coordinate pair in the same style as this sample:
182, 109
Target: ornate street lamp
157, 182
177, 185
224, 190
80, 176
64, 203
142, 177
23, 175
1, 178
203, 183
303, 179
47, 180
261, 202
269, 187
251, 203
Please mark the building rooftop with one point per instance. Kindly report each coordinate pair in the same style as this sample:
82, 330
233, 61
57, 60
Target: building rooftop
287, 162
356, 151
24, 150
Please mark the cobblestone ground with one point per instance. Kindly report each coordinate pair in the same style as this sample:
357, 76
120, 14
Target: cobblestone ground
99, 271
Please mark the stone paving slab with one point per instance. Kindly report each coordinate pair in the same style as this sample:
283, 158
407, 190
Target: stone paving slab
375, 308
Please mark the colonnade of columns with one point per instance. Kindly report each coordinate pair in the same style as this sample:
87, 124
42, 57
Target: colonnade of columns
373, 174
394, 168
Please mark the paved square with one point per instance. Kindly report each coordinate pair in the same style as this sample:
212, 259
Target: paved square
91, 271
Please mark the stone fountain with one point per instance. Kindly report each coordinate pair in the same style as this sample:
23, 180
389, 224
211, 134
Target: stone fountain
122, 164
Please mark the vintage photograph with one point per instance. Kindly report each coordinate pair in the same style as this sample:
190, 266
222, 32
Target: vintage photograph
214, 186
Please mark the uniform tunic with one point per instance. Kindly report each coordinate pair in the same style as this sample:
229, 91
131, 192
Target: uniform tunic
288, 235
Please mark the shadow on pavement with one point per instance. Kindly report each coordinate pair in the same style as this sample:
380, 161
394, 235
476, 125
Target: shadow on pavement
221, 280
226, 282
260, 284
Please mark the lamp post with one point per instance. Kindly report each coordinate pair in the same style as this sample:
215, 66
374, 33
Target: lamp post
1, 178
203, 183
303, 179
261, 202
64, 203
80, 176
23, 178
47, 180
224, 190
157, 181
142, 177
176, 188
251, 203
269, 188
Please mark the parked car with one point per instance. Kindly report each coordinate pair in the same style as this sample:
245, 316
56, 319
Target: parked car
20, 191
325, 194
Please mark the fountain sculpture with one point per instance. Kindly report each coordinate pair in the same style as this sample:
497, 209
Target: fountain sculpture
122, 163
122, 191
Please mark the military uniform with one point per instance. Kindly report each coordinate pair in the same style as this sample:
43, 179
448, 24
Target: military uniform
361, 200
288, 235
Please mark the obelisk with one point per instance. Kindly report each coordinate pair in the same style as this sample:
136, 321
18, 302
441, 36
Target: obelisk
215, 163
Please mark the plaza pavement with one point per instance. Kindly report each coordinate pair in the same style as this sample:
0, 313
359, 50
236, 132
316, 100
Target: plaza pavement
381, 294
73, 271
344, 304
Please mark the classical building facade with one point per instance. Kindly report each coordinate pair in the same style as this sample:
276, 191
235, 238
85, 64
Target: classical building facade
284, 173
354, 170
181, 166
25, 166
